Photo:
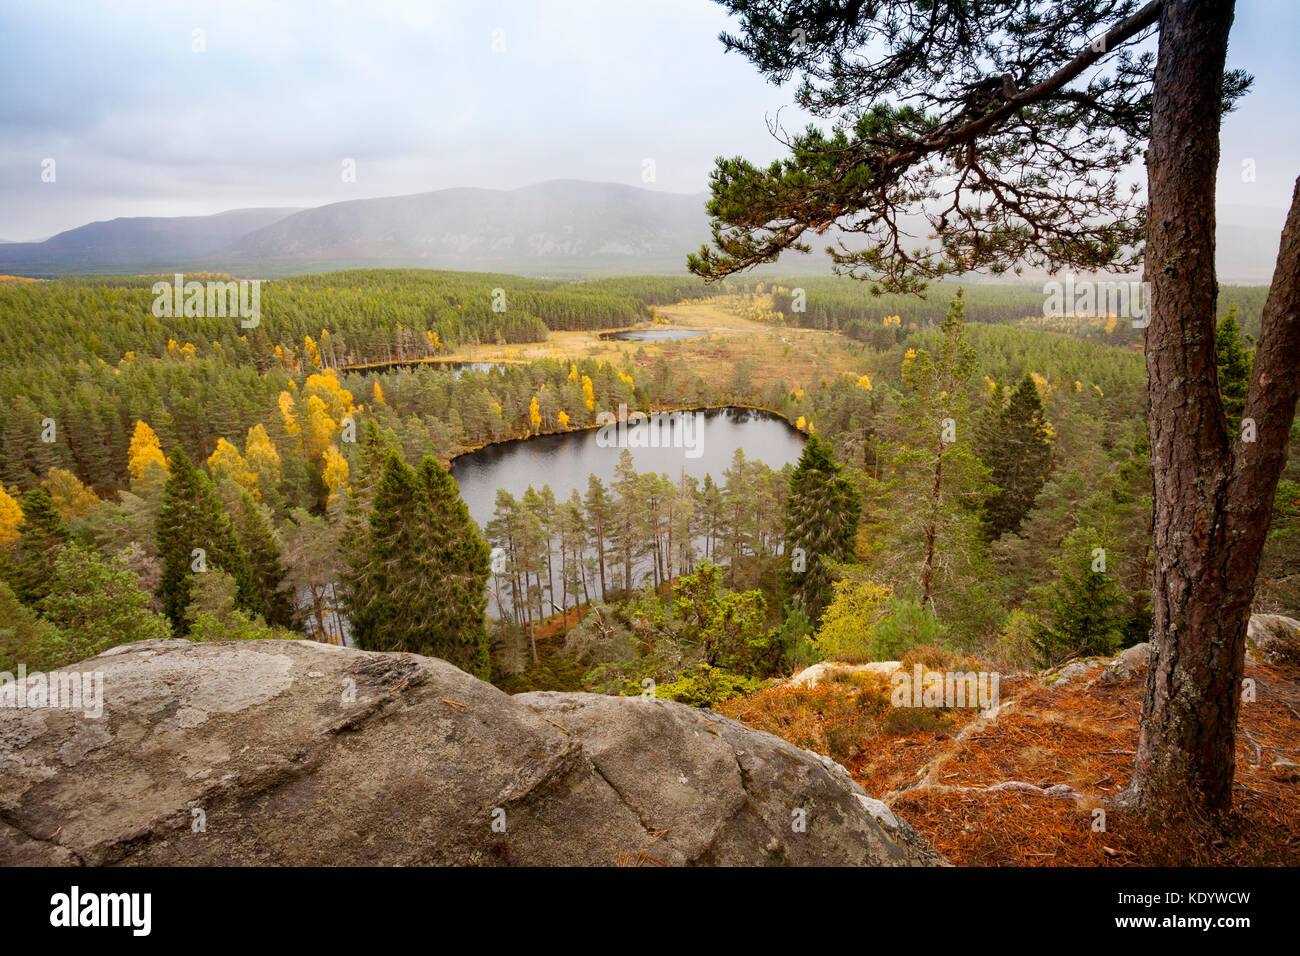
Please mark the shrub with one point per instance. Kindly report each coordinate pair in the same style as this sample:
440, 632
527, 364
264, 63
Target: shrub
846, 629
903, 625
25, 638
212, 614
95, 604
1014, 646
707, 686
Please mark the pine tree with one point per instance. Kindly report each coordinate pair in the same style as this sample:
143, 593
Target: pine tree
822, 514
600, 519
1016, 449
1084, 604
257, 539
417, 579
42, 535
625, 529
1234, 370
935, 485
191, 518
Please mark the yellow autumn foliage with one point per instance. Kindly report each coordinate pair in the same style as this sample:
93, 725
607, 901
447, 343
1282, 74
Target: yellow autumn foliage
11, 519
227, 463
71, 499
144, 451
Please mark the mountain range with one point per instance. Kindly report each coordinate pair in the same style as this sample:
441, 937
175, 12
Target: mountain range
563, 228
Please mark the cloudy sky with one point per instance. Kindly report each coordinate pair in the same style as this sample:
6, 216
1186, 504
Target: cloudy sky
262, 107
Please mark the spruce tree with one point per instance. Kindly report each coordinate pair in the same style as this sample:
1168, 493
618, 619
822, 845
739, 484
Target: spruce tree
1084, 604
1234, 370
822, 514
192, 518
257, 539
42, 535
1017, 451
462, 570
417, 578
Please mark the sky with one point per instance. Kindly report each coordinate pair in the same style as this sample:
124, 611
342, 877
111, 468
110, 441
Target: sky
266, 104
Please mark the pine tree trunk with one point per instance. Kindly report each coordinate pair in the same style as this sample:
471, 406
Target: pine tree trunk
1213, 494
931, 533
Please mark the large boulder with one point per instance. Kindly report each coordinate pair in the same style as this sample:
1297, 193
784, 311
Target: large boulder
826, 671
299, 753
1274, 639
1127, 664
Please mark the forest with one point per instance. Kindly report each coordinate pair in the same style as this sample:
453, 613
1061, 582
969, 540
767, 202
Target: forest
958, 481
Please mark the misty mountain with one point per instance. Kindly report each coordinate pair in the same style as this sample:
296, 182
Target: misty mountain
556, 228
563, 223
136, 243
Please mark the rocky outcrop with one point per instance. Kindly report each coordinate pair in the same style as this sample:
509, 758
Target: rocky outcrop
1274, 639
1073, 671
832, 670
1126, 665
294, 752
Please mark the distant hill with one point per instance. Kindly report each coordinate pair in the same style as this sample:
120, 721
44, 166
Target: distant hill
135, 243
563, 223
562, 228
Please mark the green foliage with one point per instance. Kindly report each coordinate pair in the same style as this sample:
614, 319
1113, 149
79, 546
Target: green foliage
932, 491
417, 578
1234, 370
1083, 605
191, 518
1013, 443
257, 539
214, 614
728, 628
822, 513
846, 628
26, 638
42, 535
707, 686
903, 625
95, 604
1015, 641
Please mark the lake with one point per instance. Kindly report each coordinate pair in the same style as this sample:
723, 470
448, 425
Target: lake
654, 335
705, 446
455, 367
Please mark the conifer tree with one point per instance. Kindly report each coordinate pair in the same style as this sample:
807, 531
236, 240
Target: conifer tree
41, 536
257, 539
1017, 451
935, 485
461, 573
625, 528
1234, 370
1084, 604
822, 514
191, 518
600, 519
417, 579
